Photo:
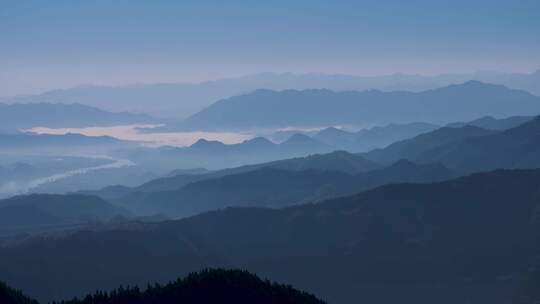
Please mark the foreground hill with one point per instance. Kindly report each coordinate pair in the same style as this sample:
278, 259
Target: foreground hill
289, 108
466, 239
207, 286
11, 296
529, 293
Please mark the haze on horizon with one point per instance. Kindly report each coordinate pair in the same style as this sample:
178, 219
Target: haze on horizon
60, 44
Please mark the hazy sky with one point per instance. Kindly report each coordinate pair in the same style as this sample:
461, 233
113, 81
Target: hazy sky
51, 44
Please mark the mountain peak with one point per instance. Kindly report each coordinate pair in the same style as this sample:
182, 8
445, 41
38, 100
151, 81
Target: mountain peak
204, 143
474, 82
473, 85
403, 164
331, 131
258, 141
299, 138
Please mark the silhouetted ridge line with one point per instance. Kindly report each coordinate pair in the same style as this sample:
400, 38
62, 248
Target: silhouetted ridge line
207, 286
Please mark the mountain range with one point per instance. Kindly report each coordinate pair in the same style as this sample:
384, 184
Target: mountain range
371, 138
42, 212
322, 107
444, 153
470, 149
492, 123
466, 239
180, 100
275, 184
26, 141
338, 161
214, 155
413, 148
18, 116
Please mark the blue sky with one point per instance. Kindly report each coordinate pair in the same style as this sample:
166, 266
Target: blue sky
52, 44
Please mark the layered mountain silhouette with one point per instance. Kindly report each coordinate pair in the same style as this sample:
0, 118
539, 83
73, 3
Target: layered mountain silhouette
335, 161
447, 242
413, 148
57, 115
518, 147
368, 139
274, 185
163, 99
339, 161
320, 107
217, 155
491, 123
470, 149
42, 212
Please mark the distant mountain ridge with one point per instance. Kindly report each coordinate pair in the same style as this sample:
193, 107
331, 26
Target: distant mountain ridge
414, 147
491, 123
56, 115
371, 138
180, 100
215, 155
322, 107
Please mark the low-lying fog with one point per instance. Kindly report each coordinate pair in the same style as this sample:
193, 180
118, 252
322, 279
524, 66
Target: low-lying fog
137, 133
14, 187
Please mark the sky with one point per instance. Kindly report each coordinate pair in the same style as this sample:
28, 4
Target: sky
52, 44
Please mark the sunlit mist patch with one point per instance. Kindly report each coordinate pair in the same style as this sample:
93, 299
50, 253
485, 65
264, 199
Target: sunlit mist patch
133, 133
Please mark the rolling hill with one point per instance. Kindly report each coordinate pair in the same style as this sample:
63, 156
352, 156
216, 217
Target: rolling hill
339, 161
267, 187
206, 286
42, 212
517, 147
470, 149
414, 147
448, 242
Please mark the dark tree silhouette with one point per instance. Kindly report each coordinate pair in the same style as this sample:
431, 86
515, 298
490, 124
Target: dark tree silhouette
207, 286
12, 296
